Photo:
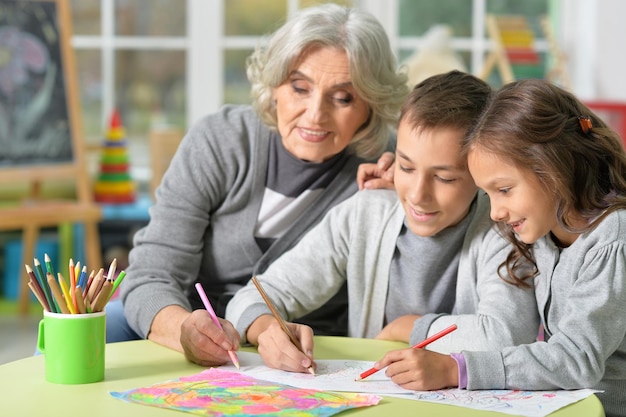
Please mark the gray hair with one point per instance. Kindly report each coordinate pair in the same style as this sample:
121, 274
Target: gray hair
373, 67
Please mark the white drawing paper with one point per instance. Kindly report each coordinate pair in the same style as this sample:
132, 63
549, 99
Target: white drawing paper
340, 375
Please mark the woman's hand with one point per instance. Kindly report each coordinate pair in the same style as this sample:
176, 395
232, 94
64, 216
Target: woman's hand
379, 175
419, 369
276, 348
204, 343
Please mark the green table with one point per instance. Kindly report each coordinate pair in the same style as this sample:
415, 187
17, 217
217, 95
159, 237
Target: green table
25, 392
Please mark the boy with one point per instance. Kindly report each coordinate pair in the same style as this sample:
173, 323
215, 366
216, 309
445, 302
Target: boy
399, 251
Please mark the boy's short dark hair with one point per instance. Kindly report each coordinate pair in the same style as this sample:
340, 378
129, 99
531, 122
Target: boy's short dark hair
452, 100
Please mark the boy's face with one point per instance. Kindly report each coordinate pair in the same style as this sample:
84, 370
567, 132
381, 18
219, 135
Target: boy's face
432, 179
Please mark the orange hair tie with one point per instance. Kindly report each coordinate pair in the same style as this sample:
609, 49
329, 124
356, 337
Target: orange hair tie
585, 123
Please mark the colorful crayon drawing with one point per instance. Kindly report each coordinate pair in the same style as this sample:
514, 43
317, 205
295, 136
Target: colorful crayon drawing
516, 402
217, 392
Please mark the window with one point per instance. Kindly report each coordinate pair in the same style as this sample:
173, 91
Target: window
173, 61
130, 56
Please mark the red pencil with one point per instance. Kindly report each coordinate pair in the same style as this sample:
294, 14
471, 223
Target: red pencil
417, 346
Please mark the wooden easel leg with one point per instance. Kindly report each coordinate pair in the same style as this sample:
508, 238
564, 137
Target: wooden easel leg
488, 66
30, 233
506, 72
92, 246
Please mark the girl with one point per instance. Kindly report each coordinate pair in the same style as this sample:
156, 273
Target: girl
556, 177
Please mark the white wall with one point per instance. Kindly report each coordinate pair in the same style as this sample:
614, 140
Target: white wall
593, 36
610, 65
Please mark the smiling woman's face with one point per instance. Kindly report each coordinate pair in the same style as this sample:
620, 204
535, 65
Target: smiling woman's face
318, 109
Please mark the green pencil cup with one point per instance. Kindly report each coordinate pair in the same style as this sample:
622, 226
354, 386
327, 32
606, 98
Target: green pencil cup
73, 346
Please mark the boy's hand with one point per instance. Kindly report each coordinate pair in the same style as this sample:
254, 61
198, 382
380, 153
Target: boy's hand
276, 348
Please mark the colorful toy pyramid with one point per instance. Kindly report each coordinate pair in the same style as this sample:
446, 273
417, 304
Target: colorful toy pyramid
513, 52
114, 184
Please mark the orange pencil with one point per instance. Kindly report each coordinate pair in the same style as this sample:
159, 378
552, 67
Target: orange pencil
417, 346
72, 271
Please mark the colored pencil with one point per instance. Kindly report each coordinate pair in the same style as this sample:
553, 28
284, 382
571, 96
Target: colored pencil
278, 318
80, 301
48, 263
77, 271
38, 294
72, 284
102, 297
95, 286
209, 308
54, 288
91, 290
80, 295
417, 346
116, 283
44, 287
66, 293
38, 269
82, 280
112, 268
89, 281
41, 276
72, 273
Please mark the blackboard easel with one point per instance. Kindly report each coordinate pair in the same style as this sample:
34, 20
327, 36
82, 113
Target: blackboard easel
40, 127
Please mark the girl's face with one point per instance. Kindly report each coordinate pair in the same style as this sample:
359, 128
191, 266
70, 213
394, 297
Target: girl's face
517, 198
431, 179
318, 109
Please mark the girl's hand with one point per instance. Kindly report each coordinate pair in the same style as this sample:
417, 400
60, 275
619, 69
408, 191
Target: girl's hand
419, 369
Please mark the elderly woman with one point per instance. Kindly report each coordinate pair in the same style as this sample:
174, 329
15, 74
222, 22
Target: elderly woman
247, 182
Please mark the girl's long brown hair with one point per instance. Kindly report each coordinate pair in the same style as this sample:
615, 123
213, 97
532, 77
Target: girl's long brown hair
535, 126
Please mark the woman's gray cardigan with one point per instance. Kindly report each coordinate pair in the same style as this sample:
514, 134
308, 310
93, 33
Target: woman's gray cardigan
202, 225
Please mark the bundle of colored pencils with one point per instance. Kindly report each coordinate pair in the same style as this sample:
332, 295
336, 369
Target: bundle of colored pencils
80, 294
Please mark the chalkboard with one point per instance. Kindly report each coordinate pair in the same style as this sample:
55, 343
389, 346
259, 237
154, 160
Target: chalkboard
39, 124
38, 109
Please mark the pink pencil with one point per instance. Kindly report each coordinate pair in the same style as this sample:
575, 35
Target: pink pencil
209, 308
